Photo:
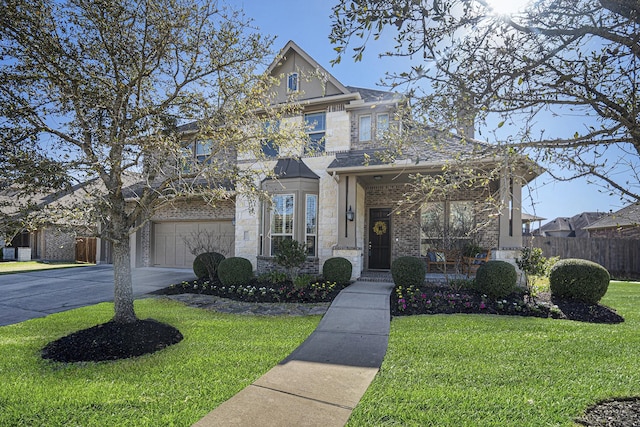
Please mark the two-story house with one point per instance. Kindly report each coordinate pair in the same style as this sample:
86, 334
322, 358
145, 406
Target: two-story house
335, 194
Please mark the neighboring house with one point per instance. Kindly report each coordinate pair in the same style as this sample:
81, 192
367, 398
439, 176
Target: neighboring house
527, 220
576, 226
338, 198
56, 234
624, 223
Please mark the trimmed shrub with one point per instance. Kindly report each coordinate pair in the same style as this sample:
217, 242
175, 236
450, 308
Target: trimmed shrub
497, 279
206, 265
291, 254
408, 271
235, 271
579, 279
337, 270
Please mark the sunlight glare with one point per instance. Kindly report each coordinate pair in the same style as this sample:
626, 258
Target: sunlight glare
507, 7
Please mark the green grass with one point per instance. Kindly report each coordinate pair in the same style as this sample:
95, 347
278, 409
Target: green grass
479, 370
25, 266
220, 355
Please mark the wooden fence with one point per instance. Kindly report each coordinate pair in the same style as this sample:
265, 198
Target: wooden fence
620, 256
86, 249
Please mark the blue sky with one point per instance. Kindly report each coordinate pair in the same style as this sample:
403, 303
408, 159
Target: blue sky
308, 23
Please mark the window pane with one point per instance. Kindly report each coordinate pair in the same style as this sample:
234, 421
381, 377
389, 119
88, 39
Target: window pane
282, 214
275, 241
431, 225
461, 218
312, 213
315, 122
203, 150
311, 245
269, 147
292, 82
365, 128
382, 124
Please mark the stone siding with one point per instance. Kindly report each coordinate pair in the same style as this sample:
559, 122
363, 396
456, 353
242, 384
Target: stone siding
58, 245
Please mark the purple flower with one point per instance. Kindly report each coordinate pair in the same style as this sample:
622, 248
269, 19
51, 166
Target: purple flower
482, 305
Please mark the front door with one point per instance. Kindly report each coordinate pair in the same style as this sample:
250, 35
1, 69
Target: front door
379, 239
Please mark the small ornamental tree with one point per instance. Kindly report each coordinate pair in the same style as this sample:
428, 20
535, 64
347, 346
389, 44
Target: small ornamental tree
290, 254
532, 263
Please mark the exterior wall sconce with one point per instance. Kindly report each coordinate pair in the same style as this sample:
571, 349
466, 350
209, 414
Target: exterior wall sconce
233, 221
350, 214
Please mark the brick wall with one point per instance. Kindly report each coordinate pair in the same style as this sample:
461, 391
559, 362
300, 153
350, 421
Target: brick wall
268, 264
405, 225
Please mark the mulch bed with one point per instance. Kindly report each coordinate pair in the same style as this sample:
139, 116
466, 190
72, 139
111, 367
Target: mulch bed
112, 341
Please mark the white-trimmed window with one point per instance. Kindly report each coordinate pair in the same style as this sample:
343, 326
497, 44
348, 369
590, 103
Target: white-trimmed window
203, 150
316, 125
454, 220
311, 223
292, 82
382, 124
268, 145
282, 215
364, 130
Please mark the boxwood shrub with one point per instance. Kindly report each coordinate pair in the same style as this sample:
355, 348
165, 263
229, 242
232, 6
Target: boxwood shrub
206, 265
337, 270
235, 271
496, 279
579, 279
408, 271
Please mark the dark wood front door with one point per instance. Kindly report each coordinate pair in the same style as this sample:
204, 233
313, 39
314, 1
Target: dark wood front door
379, 239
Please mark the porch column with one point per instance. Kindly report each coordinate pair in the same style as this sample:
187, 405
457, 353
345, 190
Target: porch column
347, 203
511, 213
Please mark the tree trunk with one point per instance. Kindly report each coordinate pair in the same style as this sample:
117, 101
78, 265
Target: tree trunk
123, 286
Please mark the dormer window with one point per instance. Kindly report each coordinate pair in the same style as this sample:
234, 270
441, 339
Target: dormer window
292, 82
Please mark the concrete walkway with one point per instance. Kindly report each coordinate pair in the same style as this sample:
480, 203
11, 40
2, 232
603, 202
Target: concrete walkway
321, 382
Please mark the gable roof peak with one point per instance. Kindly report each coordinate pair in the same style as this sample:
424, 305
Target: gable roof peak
292, 46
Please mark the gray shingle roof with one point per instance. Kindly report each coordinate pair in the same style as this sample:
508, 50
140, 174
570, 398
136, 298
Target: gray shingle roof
625, 217
373, 95
293, 168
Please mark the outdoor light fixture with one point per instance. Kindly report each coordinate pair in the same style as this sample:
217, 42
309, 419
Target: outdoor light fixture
350, 214
377, 177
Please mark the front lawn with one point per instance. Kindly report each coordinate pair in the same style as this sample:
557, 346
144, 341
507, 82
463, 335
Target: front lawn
9, 267
219, 356
488, 370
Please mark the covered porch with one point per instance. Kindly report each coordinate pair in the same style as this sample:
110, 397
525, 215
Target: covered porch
375, 227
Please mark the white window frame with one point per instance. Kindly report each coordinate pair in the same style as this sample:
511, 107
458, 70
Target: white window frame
318, 144
207, 149
284, 234
364, 129
313, 231
295, 79
382, 126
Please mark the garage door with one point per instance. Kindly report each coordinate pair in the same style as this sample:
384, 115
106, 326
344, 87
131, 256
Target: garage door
170, 241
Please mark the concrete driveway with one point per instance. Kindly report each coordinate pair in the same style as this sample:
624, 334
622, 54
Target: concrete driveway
25, 296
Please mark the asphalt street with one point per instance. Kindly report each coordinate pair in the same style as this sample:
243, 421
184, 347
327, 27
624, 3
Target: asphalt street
25, 296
